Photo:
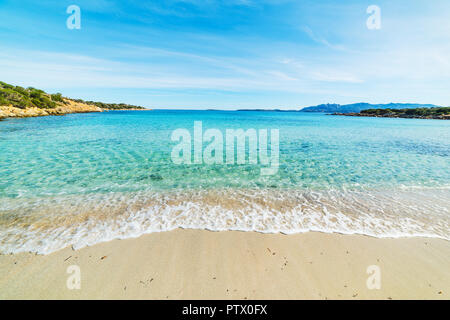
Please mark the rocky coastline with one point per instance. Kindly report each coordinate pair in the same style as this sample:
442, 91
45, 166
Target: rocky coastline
439, 113
354, 114
62, 109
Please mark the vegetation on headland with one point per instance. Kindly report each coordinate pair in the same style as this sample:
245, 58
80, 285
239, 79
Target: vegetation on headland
16, 101
418, 113
111, 106
23, 98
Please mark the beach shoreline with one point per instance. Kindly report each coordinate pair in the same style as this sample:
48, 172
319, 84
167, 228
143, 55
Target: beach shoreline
200, 264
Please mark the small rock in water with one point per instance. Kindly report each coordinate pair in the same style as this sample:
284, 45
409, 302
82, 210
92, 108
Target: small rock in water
156, 177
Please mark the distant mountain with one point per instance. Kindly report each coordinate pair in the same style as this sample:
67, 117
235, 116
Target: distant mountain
358, 107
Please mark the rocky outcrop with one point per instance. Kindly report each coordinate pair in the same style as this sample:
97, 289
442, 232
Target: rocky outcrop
69, 106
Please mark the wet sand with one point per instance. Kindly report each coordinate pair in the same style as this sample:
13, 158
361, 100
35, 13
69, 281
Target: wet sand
195, 264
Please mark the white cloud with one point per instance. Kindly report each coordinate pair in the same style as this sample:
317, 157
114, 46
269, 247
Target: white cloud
332, 76
321, 40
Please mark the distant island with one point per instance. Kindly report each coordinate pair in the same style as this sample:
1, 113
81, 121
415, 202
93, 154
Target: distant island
417, 113
358, 107
268, 110
16, 101
351, 108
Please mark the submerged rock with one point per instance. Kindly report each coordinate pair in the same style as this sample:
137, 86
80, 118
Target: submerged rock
156, 177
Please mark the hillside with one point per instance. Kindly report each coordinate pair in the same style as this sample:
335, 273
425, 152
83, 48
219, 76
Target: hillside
358, 107
418, 113
16, 101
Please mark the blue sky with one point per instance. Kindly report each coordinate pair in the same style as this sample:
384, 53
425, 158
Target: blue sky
230, 54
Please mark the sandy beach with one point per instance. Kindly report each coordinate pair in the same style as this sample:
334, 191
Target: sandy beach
194, 264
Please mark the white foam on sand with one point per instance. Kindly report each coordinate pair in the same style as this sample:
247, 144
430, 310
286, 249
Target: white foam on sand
48, 224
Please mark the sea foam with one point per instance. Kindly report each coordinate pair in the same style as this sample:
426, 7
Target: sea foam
46, 225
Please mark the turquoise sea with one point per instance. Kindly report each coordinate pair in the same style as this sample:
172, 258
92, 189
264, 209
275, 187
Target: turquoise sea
86, 178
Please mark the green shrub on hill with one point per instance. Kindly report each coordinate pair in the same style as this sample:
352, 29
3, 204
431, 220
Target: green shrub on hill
111, 106
20, 97
57, 97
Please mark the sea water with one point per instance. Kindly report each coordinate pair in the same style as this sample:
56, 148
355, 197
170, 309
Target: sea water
81, 179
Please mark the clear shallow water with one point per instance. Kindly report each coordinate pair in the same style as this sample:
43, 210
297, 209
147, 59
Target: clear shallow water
86, 178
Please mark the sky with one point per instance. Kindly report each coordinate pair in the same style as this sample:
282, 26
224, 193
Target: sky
205, 54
